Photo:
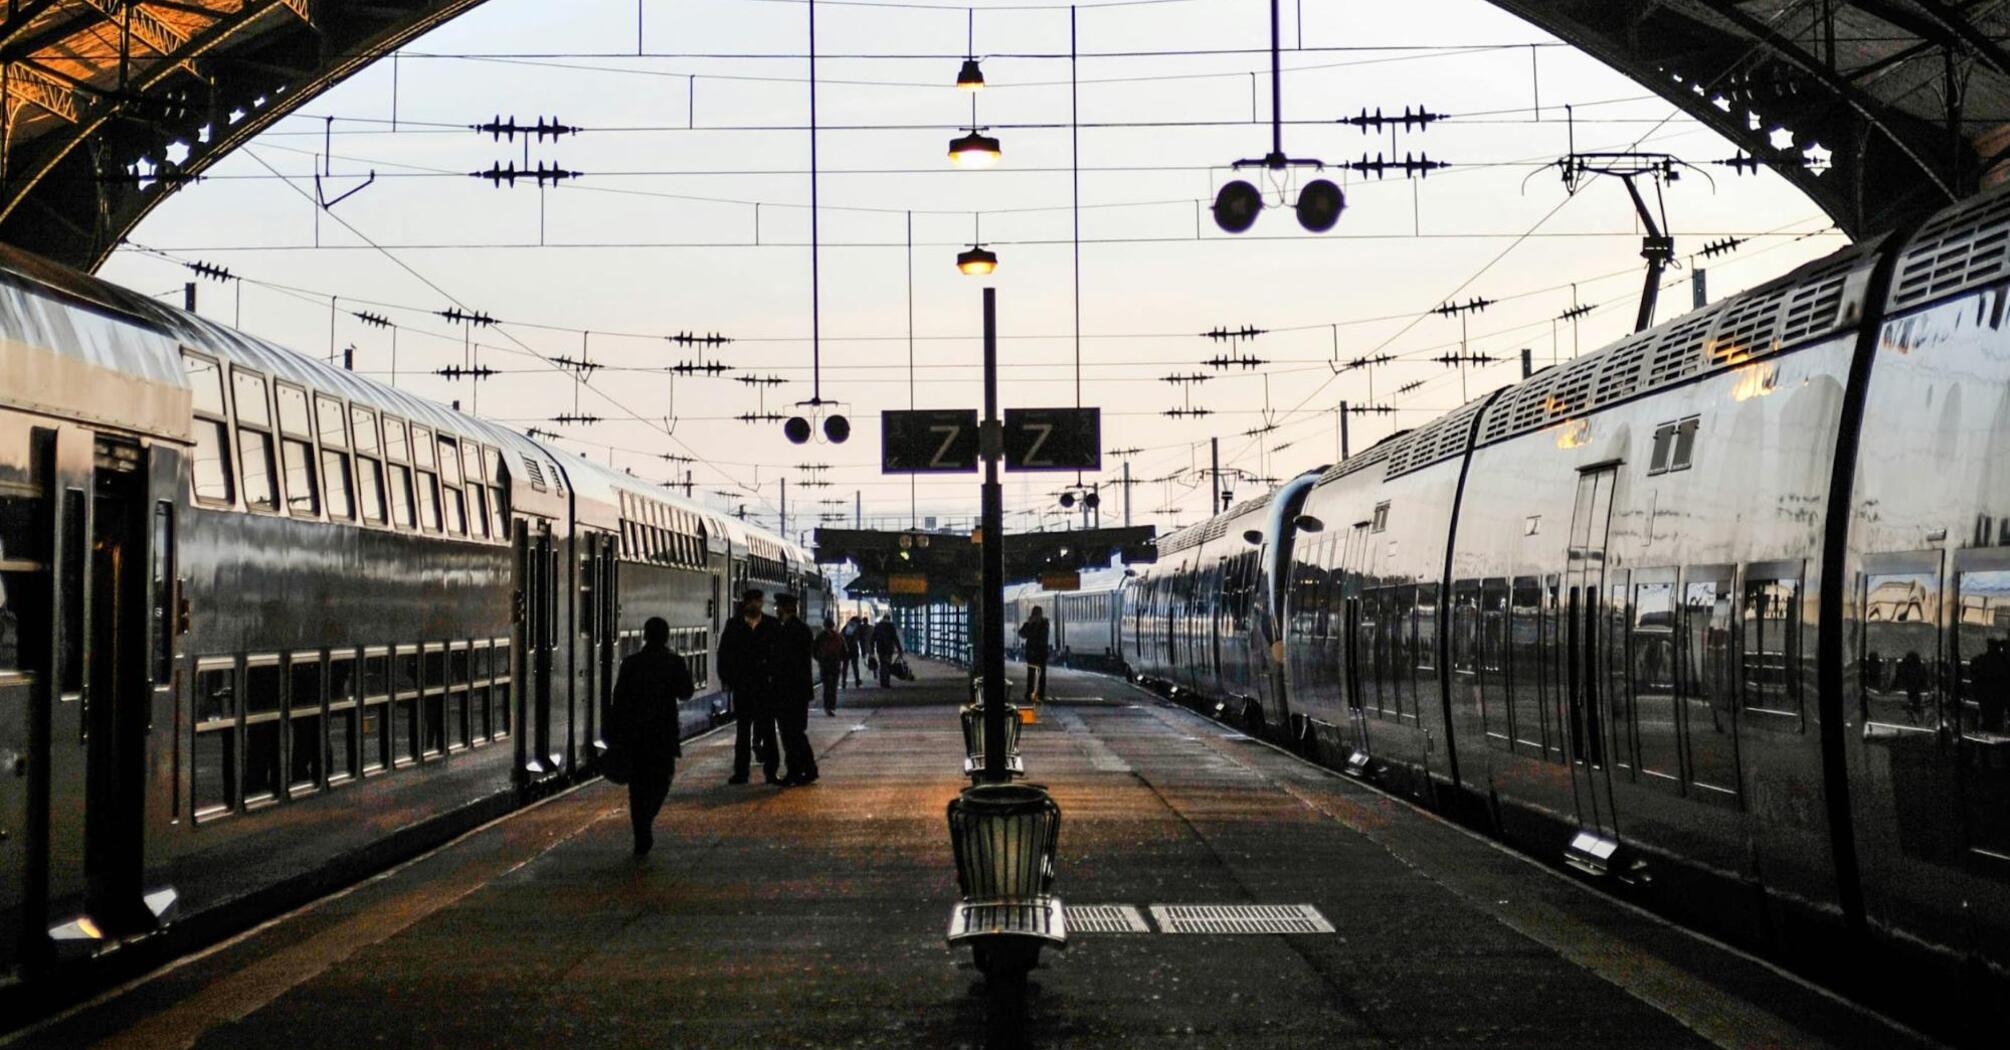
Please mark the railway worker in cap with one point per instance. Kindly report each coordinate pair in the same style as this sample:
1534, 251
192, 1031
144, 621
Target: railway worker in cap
791, 682
643, 722
1033, 638
745, 651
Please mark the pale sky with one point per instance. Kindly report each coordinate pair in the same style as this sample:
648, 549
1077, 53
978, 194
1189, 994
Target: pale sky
658, 234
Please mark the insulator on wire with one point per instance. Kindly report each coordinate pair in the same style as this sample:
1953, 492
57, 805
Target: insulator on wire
373, 320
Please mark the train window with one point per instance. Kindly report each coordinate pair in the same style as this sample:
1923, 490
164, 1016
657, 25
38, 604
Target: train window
213, 773
480, 722
401, 496
1898, 676
450, 461
376, 726
454, 503
1525, 665
333, 422
305, 745
422, 447
478, 511
505, 671
257, 469
1496, 690
372, 498
459, 684
1685, 444
1664, 439
1651, 660
429, 500
161, 589
210, 465
1772, 644
365, 424
292, 409
340, 486
1380, 523
434, 690
1371, 648
405, 706
342, 718
205, 380
24, 563
303, 496
1982, 716
263, 718
396, 447
252, 409
1708, 683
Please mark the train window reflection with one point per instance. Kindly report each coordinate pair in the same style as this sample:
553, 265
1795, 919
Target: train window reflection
251, 406
1709, 717
1652, 661
255, 455
401, 496
305, 745
24, 581
263, 687
422, 447
210, 466
1772, 649
333, 422
343, 716
1525, 665
371, 497
1901, 646
303, 496
340, 487
1983, 636
376, 723
365, 422
292, 409
394, 440
205, 380
213, 776
429, 501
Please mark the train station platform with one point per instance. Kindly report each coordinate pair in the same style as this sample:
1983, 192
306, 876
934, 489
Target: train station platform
815, 917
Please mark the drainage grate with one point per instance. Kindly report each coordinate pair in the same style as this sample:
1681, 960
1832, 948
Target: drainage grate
1239, 918
1105, 918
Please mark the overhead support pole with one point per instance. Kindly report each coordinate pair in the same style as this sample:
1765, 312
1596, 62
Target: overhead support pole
991, 640
1657, 248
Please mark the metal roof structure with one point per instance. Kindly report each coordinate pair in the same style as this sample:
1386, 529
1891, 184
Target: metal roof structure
110, 105
1881, 111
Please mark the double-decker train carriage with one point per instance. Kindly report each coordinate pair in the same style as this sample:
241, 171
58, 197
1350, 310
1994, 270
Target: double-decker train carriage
1714, 613
265, 623
1084, 633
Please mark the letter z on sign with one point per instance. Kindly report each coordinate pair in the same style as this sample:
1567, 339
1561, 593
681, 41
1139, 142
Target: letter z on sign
928, 441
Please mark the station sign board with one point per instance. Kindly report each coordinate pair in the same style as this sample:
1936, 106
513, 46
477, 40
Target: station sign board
928, 441
910, 583
1053, 439
1061, 581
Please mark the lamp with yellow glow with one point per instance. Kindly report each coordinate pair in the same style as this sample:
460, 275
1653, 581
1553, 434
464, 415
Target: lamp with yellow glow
970, 78
974, 150
977, 260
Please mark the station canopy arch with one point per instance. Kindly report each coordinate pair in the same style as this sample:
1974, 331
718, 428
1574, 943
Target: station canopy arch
110, 105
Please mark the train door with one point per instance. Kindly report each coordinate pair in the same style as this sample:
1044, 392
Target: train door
537, 574
1584, 585
598, 623
26, 566
1359, 629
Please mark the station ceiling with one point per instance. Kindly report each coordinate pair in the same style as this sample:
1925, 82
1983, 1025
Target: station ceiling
1880, 110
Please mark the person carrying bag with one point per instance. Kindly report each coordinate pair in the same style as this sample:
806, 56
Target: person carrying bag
642, 727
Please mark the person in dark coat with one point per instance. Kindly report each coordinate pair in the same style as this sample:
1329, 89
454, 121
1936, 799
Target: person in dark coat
831, 650
886, 645
790, 686
1033, 646
644, 723
744, 658
855, 632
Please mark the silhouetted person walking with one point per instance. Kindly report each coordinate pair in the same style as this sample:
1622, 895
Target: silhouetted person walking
644, 722
856, 632
744, 658
790, 689
885, 645
1033, 645
831, 649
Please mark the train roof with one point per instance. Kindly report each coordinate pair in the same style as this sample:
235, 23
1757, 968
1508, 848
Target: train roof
48, 311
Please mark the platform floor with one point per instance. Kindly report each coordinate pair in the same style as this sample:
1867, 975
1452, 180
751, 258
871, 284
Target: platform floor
814, 917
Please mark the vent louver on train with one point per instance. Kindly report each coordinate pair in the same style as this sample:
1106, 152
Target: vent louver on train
534, 473
1960, 248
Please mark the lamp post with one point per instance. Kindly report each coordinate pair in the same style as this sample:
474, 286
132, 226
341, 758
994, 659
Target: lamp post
992, 596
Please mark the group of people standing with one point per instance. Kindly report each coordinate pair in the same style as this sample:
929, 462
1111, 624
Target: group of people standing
770, 665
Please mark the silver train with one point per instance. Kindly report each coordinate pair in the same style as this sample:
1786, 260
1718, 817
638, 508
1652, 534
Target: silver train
1707, 614
1083, 630
266, 624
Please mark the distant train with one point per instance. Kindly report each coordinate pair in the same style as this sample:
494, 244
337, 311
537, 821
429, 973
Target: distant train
1084, 625
1709, 613
263, 620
